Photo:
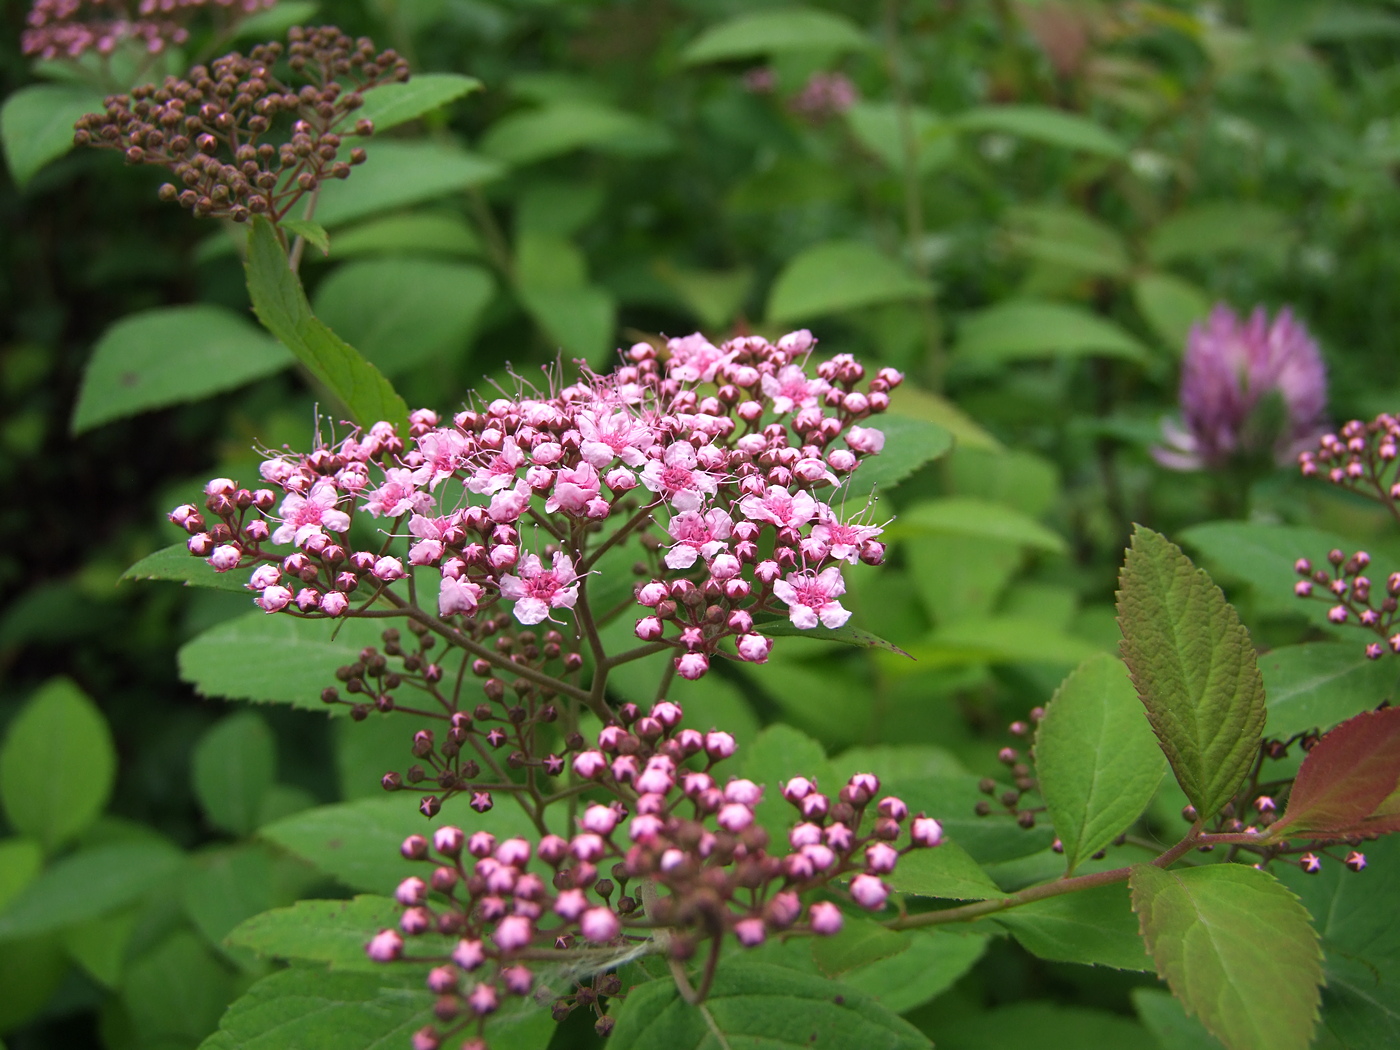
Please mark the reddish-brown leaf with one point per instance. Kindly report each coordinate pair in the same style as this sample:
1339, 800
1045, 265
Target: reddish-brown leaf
1348, 778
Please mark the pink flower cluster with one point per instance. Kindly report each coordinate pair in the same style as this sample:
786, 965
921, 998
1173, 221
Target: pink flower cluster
1361, 456
685, 853
69, 28
736, 453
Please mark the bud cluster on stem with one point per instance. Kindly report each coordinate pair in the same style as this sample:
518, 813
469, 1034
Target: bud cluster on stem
56, 29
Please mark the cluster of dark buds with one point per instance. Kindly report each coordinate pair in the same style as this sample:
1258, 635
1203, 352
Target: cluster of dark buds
212, 129
1347, 592
738, 520
1361, 458
688, 865
1024, 782
71, 28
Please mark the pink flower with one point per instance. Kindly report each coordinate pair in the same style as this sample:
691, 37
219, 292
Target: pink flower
778, 508
412, 890
734, 816
507, 505
695, 359
697, 535
791, 389
574, 489
482, 999
225, 557
273, 599
750, 932
719, 744
599, 925
599, 819
537, 590
743, 791
865, 439
675, 477
811, 597
442, 452
880, 858
457, 596
825, 918
869, 892
385, 946
468, 955
925, 831
690, 666
308, 515
612, 435
500, 472
754, 648
513, 933
842, 541
398, 495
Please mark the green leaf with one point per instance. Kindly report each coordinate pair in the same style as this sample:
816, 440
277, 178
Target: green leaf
1171, 306
1068, 238
757, 1005
878, 126
281, 305
945, 871
581, 322
390, 105
1345, 778
20, 861
1318, 684
1193, 666
177, 563
834, 276
397, 174
1217, 228
1263, 556
1029, 329
36, 124
908, 400
1096, 758
424, 233
970, 516
778, 754
1036, 1026
909, 444
87, 884
31, 971
1166, 1019
358, 842
1236, 948
1092, 927
715, 297
101, 945
1053, 127
860, 943
275, 659
931, 965
272, 23
171, 355
235, 763
528, 136
175, 993
403, 312
333, 932
784, 628
1001, 640
57, 765
775, 32
897, 762
231, 884
312, 232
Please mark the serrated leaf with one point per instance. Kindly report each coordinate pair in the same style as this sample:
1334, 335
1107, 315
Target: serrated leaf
931, 965
1095, 756
1092, 927
333, 932
390, 105
275, 658
313, 232
281, 305
835, 276
234, 766
170, 355
1236, 948
909, 444
57, 765
36, 124
1346, 776
1318, 684
860, 943
945, 871
87, 884
757, 1005
970, 516
402, 312
1028, 329
177, 564
397, 174
1193, 666
1053, 127
1166, 1019
358, 842
775, 32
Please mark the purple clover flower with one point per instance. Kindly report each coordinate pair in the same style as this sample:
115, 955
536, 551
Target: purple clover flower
1232, 369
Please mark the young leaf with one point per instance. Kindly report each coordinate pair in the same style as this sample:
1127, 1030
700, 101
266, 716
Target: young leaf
1318, 684
1093, 927
1170, 306
1217, 228
173, 994
774, 32
176, 563
1028, 329
1098, 763
20, 861
1193, 665
1054, 127
753, 1004
909, 444
860, 943
1345, 778
970, 516
390, 105
399, 173
57, 765
533, 135
36, 124
312, 232
235, 763
171, 355
274, 659
329, 931
945, 871
281, 305
1236, 948
932, 964
839, 275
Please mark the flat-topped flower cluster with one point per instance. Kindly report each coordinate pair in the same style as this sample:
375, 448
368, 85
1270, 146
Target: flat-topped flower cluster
726, 462
689, 863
